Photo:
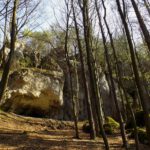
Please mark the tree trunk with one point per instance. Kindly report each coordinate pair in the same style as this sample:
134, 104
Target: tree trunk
5, 32
94, 89
144, 100
147, 5
70, 75
85, 84
122, 127
142, 24
7, 66
139, 64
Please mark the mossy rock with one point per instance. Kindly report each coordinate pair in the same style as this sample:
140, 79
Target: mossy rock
143, 138
114, 124
107, 127
110, 126
140, 121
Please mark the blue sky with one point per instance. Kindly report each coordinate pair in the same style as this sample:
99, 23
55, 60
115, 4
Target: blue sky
50, 10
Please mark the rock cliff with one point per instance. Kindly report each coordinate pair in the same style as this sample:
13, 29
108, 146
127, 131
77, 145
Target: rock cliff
34, 92
45, 92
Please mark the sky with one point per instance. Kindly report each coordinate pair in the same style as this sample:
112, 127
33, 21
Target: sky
46, 15
51, 11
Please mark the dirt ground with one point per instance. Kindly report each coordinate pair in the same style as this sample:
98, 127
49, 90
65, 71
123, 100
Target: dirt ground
26, 133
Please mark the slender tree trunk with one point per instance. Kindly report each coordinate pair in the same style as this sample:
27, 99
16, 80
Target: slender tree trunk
7, 66
85, 84
5, 32
144, 100
124, 110
147, 5
76, 80
70, 74
139, 64
94, 89
142, 24
122, 127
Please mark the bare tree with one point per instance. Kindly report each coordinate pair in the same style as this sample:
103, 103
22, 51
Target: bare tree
91, 68
69, 69
7, 66
111, 78
5, 34
87, 94
147, 5
142, 24
15, 24
139, 84
120, 76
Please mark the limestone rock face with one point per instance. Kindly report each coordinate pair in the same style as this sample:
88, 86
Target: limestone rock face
18, 55
34, 92
67, 110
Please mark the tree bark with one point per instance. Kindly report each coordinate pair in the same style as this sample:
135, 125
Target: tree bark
122, 127
142, 24
144, 100
94, 89
147, 5
5, 37
85, 84
70, 74
7, 66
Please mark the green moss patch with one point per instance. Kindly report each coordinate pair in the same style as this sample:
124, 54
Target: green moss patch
114, 124
110, 126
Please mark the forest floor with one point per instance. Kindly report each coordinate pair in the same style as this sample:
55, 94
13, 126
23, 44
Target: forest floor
27, 133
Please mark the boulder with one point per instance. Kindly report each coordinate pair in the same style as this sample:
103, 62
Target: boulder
34, 92
46, 91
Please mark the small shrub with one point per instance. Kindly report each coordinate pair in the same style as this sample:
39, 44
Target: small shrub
140, 122
86, 127
143, 138
26, 62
